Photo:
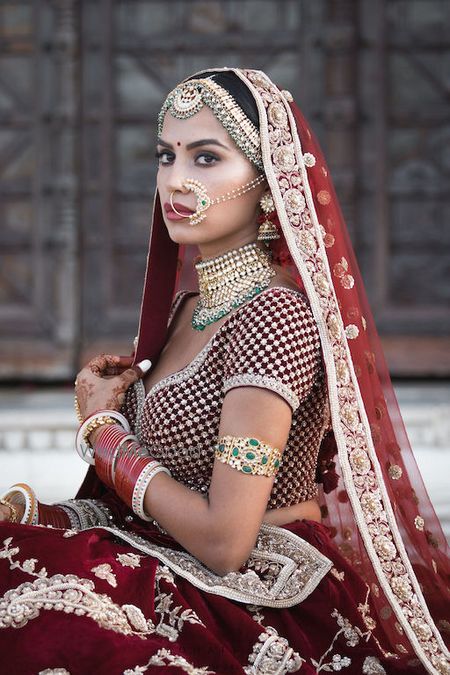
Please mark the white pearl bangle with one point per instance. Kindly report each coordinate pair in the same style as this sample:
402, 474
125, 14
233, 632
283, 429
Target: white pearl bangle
141, 486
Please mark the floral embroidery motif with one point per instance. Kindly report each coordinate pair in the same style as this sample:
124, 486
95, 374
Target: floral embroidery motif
323, 197
71, 594
129, 559
255, 611
164, 657
27, 566
340, 270
104, 571
340, 576
171, 622
419, 523
372, 666
281, 571
351, 331
272, 654
395, 472
309, 160
54, 671
351, 633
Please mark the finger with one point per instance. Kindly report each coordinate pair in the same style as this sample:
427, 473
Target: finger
123, 363
136, 372
100, 363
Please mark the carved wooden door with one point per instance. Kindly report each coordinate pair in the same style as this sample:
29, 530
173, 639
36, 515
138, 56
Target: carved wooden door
81, 83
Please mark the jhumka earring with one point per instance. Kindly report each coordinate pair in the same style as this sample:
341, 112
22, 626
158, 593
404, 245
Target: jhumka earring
267, 230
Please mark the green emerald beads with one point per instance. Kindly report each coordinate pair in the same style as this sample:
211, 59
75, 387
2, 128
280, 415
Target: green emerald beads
248, 455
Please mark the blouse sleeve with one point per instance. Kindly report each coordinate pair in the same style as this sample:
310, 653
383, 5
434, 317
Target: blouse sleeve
275, 344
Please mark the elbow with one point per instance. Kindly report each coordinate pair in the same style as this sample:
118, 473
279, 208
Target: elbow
228, 557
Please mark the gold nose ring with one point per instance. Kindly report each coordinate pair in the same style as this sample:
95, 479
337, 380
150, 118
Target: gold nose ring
173, 208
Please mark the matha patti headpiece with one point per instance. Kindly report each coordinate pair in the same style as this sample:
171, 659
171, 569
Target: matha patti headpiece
189, 97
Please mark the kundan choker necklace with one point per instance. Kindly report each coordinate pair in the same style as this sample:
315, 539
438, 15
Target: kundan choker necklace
229, 280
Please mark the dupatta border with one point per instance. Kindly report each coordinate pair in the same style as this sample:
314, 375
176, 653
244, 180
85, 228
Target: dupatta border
280, 580
360, 466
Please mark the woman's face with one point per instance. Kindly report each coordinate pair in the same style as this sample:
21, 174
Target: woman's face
221, 166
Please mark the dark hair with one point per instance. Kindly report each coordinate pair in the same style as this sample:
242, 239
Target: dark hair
238, 90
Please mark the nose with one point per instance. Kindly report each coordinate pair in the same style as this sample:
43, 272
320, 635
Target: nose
174, 177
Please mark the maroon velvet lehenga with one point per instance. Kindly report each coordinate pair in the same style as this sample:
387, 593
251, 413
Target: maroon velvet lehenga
105, 601
364, 592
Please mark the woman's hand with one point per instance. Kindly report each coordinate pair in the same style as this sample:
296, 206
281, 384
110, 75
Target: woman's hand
101, 385
6, 513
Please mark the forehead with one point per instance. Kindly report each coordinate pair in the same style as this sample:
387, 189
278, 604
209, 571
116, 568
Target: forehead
189, 129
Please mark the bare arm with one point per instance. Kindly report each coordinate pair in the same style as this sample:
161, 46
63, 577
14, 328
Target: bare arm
221, 530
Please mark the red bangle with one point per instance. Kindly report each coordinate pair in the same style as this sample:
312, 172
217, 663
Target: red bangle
128, 470
49, 514
106, 445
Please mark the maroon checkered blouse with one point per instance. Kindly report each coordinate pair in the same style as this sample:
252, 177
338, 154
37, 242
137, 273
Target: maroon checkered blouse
271, 341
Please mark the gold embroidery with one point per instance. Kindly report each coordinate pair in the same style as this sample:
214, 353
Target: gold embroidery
351, 331
164, 657
395, 472
282, 569
323, 197
255, 611
309, 159
71, 594
129, 559
419, 523
104, 571
171, 621
340, 576
272, 654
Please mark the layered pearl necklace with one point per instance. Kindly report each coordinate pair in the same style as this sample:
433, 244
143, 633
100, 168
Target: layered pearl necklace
229, 280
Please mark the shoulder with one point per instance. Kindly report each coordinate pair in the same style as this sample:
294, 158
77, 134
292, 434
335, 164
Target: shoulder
278, 305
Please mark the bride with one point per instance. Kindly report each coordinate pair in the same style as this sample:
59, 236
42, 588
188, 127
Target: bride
252, 503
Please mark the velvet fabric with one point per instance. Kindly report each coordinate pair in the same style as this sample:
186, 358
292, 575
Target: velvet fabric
181, 628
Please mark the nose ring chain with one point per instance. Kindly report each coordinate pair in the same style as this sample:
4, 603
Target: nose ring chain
204, 201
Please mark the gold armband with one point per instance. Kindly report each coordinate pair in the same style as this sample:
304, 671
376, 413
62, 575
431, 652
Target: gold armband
248, 455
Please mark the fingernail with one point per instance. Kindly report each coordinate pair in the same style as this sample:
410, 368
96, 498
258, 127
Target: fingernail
145, 365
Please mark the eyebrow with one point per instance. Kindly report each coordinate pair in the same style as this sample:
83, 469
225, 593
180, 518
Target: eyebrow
195, 144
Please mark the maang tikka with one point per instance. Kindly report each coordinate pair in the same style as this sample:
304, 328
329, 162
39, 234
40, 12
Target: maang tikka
267, 230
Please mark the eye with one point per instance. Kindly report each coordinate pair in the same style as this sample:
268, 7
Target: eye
160, 155
211, 159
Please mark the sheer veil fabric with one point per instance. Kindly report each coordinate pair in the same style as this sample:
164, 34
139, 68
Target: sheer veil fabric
373, 498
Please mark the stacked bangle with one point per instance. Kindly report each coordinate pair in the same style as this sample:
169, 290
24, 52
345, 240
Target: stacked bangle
92, 422
108, 446
23, 495
50, 514
123, 464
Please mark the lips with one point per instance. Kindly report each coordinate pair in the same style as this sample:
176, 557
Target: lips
181, 208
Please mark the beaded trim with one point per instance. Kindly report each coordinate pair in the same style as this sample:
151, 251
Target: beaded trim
190, 96
88, 512
251, 379
282, 570
249, 455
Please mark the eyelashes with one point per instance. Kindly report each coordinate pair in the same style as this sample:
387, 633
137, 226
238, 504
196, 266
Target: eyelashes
207, 155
